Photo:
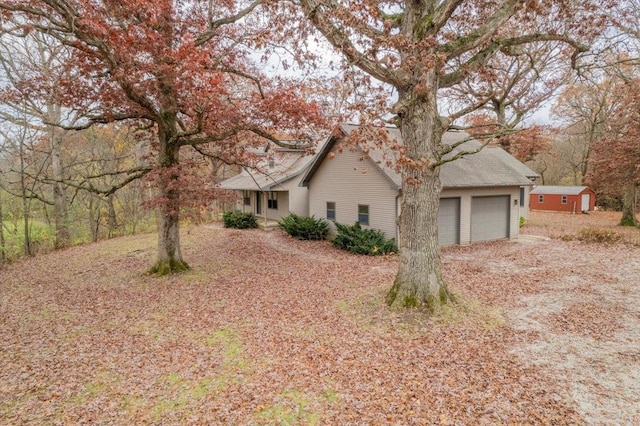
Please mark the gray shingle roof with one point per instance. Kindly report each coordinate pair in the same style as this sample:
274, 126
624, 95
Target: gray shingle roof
286, 166
558, 190
492, 166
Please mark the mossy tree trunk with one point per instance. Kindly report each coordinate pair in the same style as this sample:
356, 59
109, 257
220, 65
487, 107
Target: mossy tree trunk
629, 203
419, 281
169, 254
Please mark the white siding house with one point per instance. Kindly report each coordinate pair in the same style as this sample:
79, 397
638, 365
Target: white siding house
336, 183
480, 198
272, 190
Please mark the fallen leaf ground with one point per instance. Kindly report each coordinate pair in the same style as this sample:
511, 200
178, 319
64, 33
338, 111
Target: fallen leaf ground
268, 330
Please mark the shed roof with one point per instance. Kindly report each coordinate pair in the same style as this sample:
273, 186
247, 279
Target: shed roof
558, 190
492, 166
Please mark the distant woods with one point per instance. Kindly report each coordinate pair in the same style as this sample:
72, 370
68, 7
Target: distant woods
42, 208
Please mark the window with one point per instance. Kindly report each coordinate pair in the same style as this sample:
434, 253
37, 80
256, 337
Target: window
331, 210
564, 199
246, 198
272, 202
363, 214
521, 196
541, 198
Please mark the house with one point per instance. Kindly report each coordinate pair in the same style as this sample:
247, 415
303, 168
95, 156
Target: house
563, 198
480, 198
271, 189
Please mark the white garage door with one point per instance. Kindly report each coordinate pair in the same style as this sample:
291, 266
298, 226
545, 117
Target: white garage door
449, 221
489, 218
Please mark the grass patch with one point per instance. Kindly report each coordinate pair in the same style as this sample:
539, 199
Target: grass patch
183, 393
100, 384
370, 313
232, 357
466, 312
294, 407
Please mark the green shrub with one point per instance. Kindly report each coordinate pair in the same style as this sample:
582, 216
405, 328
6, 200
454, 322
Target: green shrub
239, 220
355, 239
304, 228
627, 221
522, 221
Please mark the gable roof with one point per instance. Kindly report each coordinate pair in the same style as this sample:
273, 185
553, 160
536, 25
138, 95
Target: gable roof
492, 166
558, 190
287, 165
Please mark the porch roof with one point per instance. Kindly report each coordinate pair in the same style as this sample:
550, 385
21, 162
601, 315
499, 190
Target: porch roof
286, 166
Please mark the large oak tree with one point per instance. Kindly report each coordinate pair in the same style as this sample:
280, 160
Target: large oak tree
179, 69
420, 47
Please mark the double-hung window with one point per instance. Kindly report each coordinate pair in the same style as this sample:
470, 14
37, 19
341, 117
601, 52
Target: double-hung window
331, 210
272, 201
564, 199
246, 198
363, 214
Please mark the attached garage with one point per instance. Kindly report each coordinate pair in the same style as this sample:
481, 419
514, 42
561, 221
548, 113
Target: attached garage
449, 222
480, 191
490, 218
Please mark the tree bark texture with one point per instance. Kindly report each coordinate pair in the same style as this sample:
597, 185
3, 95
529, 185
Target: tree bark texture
419, 281
169, 254
63, 235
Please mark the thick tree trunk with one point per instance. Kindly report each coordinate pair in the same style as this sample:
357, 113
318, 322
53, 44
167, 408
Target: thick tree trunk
169, 255
419, 281
63, 236
629, 202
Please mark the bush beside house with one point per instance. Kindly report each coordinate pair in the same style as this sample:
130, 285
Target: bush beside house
239, 220
356, 239
304, 227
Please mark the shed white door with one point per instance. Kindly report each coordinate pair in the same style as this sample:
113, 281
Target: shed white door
449, 221
585, 203
490, 218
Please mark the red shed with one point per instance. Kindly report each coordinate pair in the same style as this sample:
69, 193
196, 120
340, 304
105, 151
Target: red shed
563, 198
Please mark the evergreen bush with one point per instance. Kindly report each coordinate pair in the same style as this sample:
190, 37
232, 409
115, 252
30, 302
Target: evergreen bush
239, 220
356, 239
304, 227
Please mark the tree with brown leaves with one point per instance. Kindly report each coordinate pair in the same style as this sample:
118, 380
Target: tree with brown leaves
180, 70
420, 48
615, 163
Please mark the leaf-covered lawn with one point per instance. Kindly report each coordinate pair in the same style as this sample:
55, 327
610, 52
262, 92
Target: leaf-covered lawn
269, 330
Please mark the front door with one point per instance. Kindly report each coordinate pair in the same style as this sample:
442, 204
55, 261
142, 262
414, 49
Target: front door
585, 203
258, 202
